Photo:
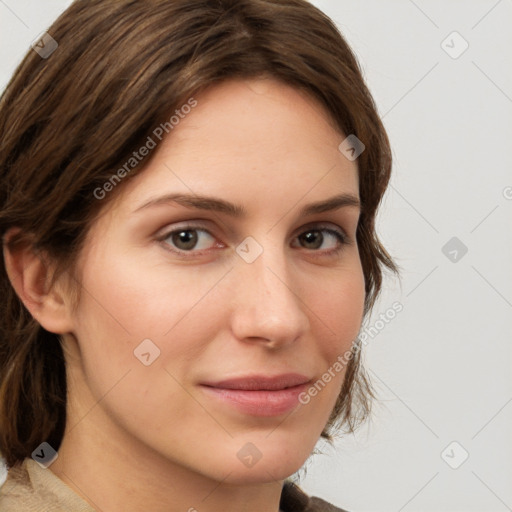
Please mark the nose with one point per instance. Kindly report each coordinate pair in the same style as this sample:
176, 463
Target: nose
267, 308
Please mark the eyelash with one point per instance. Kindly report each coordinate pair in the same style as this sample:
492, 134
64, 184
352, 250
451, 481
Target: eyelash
342, 238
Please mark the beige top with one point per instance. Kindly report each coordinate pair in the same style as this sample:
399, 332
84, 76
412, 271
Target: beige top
31, 488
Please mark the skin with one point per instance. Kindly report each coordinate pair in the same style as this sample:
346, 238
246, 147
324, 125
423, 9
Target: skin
149, 437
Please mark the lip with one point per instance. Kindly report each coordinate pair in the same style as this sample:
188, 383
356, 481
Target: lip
259, 395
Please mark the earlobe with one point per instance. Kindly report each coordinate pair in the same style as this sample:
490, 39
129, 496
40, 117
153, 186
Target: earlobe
30, 275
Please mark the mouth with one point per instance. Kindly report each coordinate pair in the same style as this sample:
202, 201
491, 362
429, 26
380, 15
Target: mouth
259, 395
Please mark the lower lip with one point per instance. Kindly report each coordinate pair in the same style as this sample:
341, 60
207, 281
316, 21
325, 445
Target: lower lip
259, 403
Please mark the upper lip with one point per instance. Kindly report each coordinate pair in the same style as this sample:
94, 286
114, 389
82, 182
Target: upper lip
260, 382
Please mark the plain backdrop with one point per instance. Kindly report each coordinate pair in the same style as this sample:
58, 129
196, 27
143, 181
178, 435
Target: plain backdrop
441, 75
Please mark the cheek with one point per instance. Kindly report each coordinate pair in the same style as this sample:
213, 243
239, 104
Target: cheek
338, 308
141, 300
140, 380
339, 305
124, 304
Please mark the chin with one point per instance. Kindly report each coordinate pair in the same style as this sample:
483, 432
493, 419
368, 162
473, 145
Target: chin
265, 462
262, 472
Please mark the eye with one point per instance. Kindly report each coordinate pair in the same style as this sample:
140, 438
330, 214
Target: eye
188, 238
328, 240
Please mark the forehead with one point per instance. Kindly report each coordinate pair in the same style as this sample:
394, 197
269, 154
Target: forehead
257, 140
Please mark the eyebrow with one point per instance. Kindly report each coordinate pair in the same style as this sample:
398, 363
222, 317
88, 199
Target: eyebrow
215, 204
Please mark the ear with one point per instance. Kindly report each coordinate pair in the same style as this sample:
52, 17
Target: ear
30, 274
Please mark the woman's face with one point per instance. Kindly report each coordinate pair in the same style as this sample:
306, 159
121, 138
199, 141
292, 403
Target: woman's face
196, 312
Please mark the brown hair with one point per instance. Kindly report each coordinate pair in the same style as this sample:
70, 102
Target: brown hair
69, 120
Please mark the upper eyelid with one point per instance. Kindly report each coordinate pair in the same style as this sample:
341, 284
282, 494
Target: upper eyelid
205, 227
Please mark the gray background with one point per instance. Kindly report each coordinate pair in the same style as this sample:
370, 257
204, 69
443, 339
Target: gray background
442, 365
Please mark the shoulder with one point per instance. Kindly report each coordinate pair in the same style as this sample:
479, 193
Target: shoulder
294, 499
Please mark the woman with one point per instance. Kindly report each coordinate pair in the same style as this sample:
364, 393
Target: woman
188, 201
